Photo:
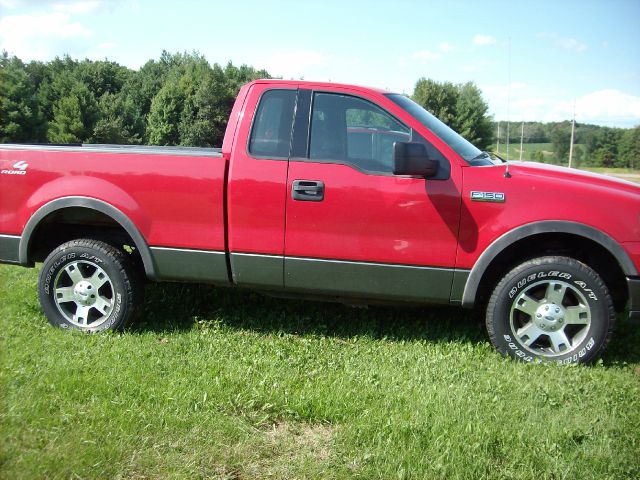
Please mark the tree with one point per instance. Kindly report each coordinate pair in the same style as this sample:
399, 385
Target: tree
459, 106
630, 148
164, 117
120, 121
561, 140
438, 98
472, 120
74, 116
20, 117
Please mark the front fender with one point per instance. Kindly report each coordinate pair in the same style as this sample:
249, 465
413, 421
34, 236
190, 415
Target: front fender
535, 228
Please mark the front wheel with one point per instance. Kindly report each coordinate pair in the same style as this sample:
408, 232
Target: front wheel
88, 285
551, 309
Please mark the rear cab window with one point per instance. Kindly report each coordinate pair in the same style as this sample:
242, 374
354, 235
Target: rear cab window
272, 124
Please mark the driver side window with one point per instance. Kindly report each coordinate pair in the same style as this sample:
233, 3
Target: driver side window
353, 131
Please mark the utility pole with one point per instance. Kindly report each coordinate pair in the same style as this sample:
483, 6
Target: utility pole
498, 140
573, 127
508, 94
521, 139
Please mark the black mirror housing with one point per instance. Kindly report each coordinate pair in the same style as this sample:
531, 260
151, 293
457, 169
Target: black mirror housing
411, 158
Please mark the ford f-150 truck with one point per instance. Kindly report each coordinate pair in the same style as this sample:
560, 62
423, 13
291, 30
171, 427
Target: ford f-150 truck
336, 192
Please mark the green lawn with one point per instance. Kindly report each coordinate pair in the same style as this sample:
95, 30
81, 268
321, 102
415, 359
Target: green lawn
228, 384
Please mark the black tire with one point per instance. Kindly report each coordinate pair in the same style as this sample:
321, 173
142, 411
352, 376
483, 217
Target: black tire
89, 285
551, 309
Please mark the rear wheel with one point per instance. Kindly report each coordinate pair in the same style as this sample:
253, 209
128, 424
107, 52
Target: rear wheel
551, 309
88, 285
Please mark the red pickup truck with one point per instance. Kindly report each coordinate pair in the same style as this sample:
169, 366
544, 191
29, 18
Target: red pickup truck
336, 192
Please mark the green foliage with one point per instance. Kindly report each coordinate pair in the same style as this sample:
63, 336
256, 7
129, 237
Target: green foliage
224, 383
561, 140
74, 114
629, 148
120, 121
178, 99
472, 119
438, 98
166, 109
20, 117
459, 106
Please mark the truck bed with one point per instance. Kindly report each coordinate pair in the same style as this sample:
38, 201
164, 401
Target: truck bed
173, 195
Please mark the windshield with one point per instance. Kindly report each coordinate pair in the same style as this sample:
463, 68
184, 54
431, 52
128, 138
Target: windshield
461, 146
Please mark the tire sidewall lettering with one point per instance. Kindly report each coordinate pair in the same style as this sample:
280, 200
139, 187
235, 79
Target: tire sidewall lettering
574, 274
63, 257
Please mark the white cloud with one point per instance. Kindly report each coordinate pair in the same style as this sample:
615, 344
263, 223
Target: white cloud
425, 56
77, 6
528, 102
446, 47
41, 29
607, 107
35, 36
571, 44
292, 64
566, 43
484, 40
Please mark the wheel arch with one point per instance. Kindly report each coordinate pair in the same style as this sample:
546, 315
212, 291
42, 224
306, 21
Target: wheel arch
93, 204
547, 229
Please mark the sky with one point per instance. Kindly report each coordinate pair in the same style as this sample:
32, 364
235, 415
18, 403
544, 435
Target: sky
533, 60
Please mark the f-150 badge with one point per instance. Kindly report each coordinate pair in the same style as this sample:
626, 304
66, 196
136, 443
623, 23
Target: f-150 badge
496, 197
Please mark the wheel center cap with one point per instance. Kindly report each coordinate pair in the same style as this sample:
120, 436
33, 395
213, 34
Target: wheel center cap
84, 293
550, 317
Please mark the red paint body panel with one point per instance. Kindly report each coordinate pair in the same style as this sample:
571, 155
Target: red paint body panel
537, 192
257, 189
173, 200
373, 218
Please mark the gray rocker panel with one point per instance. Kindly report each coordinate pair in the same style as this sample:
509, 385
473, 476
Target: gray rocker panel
9, 249
369, 280
184, 265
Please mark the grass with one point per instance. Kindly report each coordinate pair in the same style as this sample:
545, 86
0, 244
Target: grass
227, 384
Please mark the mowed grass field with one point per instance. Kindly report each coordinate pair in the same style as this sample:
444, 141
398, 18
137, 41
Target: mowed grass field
228, 384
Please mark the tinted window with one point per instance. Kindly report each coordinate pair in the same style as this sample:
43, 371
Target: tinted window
271, 132
457, 143
354, 131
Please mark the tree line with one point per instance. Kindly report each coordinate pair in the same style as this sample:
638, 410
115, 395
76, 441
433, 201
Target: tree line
179, 99
598, 146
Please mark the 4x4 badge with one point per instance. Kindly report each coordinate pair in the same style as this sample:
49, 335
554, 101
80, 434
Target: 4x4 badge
19, 168
496, 197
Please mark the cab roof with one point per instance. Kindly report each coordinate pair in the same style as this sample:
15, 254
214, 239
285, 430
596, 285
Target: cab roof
317, 85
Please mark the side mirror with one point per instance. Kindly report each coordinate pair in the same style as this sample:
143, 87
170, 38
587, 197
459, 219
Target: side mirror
412, 159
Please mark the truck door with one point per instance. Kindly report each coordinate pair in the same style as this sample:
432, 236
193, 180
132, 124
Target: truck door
257, 182
352, 227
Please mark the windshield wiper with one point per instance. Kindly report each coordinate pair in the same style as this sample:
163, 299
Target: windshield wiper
481, 155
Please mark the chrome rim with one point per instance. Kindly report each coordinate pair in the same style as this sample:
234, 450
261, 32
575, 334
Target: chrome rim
84, 294
550, 318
